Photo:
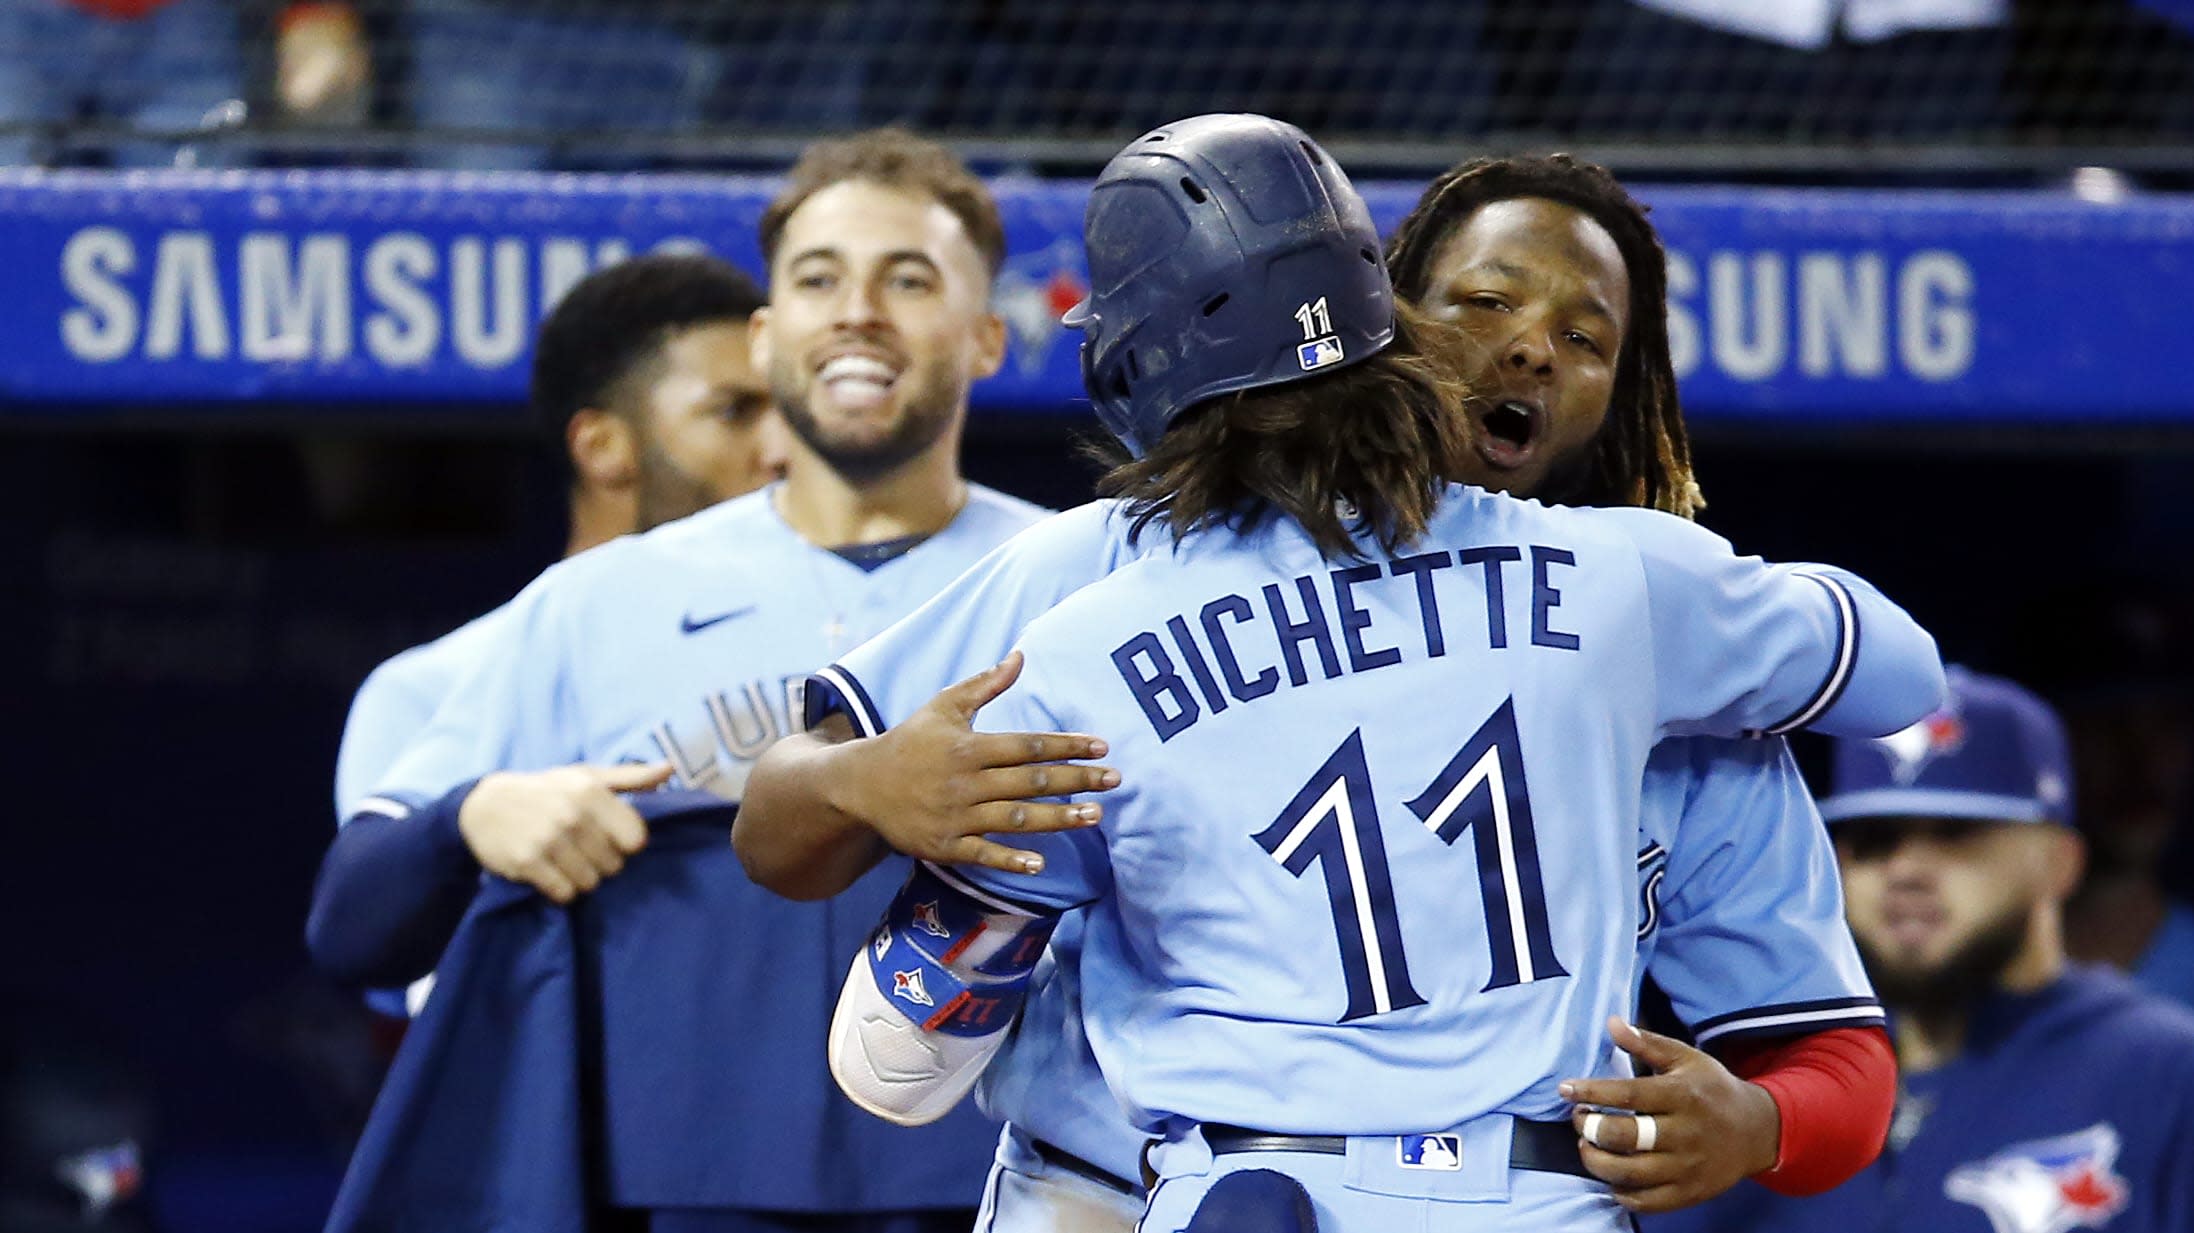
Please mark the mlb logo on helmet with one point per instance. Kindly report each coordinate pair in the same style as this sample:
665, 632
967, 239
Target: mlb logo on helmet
1316, 355
1430, 1152
2048, 1185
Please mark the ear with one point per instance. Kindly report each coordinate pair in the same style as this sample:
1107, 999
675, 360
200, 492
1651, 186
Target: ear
990, 345
2067, 856
758, 341
603, 451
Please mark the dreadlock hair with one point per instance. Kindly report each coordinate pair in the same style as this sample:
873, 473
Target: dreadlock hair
1643, 455
1364, 449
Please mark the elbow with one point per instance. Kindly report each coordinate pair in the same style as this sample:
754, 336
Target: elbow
768, 864
351, 959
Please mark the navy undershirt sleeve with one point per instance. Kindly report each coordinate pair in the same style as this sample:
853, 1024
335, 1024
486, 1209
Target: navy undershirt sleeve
390, 894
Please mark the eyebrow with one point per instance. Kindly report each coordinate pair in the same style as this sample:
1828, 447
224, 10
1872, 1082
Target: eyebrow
893, 257
1509, 269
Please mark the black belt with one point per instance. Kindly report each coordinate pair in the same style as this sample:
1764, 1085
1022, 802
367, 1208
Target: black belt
1542, 1147
1060, 1158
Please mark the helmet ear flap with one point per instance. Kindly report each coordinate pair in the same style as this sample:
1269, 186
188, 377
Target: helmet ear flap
1108, 392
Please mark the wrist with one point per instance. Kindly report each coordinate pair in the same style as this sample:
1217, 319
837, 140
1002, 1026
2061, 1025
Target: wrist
1765, 1132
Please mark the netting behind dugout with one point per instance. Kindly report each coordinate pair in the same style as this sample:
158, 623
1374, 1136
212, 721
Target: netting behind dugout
1764, 83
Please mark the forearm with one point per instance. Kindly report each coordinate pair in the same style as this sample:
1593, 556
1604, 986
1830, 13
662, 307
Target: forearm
791, 834
390, 893
1835, 1091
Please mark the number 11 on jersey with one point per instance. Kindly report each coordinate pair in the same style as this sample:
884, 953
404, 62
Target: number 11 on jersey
1333, 821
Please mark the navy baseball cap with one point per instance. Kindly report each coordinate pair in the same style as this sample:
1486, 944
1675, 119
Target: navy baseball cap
1996, 753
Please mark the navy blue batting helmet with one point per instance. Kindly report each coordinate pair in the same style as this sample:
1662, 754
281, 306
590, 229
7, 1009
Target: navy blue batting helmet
1226, 252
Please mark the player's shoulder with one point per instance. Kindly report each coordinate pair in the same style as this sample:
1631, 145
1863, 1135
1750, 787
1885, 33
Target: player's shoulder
429, 668
2110, 1004
990, 508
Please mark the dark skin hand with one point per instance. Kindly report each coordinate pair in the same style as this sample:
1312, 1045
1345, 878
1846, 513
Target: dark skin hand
1712, 1129
932, 788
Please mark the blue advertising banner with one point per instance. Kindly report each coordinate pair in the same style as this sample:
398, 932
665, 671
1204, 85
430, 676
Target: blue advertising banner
392, 289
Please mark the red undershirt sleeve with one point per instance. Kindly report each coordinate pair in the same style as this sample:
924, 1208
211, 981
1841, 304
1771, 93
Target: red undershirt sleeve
1835, 1089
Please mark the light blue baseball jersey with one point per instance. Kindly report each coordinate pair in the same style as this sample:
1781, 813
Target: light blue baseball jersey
1741, 910
396, 700
390, 710
1045, 1080
1547, 651
690, 643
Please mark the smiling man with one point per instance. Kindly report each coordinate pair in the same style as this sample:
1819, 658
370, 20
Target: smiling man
676, 655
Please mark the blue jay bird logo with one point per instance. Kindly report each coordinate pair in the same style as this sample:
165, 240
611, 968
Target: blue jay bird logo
1909, 750
2047, 1185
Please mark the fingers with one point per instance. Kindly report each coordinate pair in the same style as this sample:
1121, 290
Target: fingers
1632, 1171
1615, 1133
971, 695
1655, 1050
596, 849
1665, 1197
977, 851
1652, 1094
1027, 783
1003, 749
1031, 818
632, 777
620, 824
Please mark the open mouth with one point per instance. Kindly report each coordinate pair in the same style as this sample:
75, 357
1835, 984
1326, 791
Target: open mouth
858, 382
1508, 431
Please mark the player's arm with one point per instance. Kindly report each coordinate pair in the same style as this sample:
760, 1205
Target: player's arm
886, 765
1744, 647
1801, 1115
927, 1003
823, 807
398, 878
1749, 942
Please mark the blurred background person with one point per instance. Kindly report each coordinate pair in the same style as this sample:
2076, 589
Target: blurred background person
2037, 1094
161, 69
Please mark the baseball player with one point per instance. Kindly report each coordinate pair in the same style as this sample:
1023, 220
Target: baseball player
642, 377
675, 656
1749, 879
1262, 494
2037, 1096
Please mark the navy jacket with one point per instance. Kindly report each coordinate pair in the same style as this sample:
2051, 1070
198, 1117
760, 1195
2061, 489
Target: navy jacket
659, 1044
2070, 1108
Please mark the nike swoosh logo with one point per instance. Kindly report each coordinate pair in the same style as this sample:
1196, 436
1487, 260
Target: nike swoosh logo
687, 624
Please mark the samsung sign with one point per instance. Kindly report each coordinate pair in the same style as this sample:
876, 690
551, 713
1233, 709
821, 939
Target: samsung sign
390, 288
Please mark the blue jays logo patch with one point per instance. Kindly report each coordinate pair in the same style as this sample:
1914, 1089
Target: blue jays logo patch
930, 921
908, 985
2048, 1185
103, 1177
1911, 749
1316, 355
1429, 1152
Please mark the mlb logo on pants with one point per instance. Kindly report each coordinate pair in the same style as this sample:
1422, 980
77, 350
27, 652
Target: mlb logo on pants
1430, 1152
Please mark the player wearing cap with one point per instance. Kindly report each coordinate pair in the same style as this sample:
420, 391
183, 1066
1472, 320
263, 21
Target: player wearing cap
2038, 1096
1307, 532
